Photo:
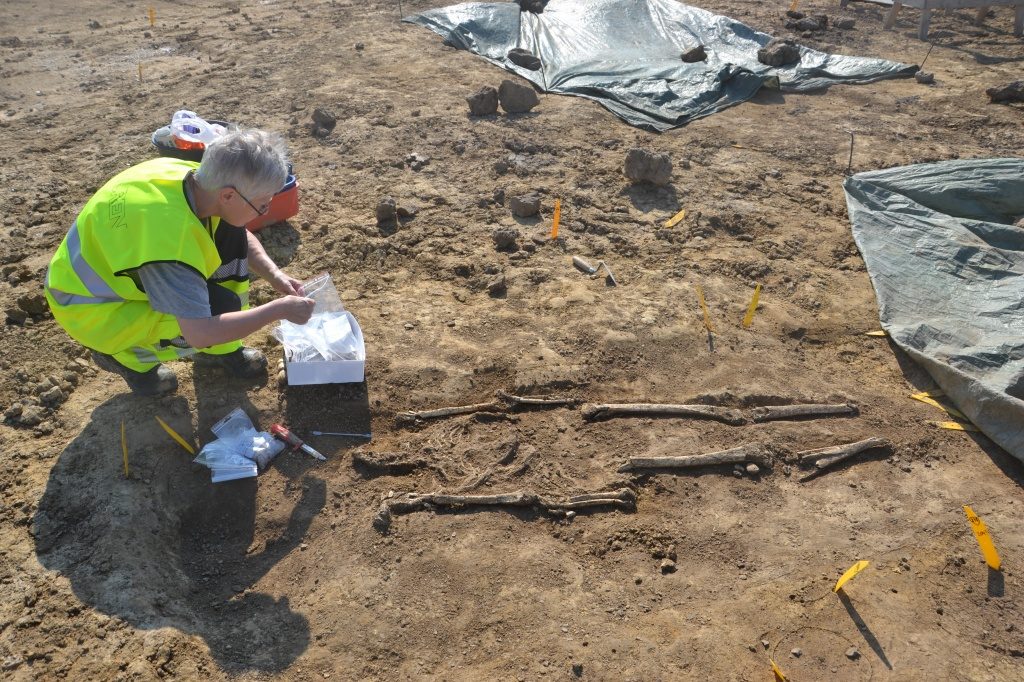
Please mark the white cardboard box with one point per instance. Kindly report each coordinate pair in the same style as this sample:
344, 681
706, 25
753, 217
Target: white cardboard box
333, 372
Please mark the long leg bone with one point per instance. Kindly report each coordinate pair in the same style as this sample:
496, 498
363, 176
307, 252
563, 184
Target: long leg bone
773, 412
751, 453
515, 400
722, 414
623, 498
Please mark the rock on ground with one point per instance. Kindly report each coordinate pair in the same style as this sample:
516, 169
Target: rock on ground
646, 166
816, 23
505, 239
1013, 92
779, 52
484, 102
844, 24
323, 122
525, 205
516, 98
387, 210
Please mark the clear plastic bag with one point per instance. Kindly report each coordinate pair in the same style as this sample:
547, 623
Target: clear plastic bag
239, 449
329, 335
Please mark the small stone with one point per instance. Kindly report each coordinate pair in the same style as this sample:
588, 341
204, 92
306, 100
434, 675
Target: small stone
924, 78
797, 653
765, 643
93, 24
515, 98
638, 579
498, 197
417, 161
387, 211
844, 24
787, 470
505, 239
906, 467
33, 304
53, 397
668, 566
303, 547
524, 58
569, 515
497, 287
484, 102
359, 47
696, 54
32, 415
779, 52
809, 24
753, 469
525, 205
752, 647
409, 326
939, 610
852, 653
577, 669
645, 166
323, 122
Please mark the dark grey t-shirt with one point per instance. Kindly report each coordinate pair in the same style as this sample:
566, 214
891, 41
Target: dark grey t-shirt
175, 289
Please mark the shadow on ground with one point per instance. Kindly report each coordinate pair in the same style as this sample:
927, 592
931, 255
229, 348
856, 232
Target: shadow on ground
166, 548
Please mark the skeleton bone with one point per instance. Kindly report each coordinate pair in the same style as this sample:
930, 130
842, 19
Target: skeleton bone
722, 414
751, 453
623, 498
824, 458
773, 412
414, 417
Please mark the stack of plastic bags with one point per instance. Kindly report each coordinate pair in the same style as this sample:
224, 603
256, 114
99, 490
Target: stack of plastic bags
239, 450
328, 336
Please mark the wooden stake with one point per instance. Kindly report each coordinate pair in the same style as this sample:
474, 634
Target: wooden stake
704, 308
749, 317
124, 448
152, 17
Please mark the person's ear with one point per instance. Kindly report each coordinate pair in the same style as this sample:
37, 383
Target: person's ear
224, 194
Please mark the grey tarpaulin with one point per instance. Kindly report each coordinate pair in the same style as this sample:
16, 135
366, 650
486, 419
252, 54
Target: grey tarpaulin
947, 265
625, 54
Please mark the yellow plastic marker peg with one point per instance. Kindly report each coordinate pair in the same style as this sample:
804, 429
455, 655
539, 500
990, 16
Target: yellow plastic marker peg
928, 400
988, 550
174, 434
779, 677
124, 448
704, 307
140, 72
877, 332
852, 571
674, 220
152, 17
956, 426
558, 215
749, 317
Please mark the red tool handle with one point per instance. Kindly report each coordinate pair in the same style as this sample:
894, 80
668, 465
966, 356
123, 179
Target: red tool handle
281, 433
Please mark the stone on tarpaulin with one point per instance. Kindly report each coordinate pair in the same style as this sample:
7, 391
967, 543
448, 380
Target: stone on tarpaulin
524, 58
779, 52
646, 166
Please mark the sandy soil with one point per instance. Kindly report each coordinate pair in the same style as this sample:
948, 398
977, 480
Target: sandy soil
164, 575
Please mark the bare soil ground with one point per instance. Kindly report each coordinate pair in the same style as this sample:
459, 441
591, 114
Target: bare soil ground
164, 575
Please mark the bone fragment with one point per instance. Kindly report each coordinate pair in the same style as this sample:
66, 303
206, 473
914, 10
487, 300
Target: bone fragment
826, 457
773, 412
413, 417
751, 453
522, 400
722, 414
623, 498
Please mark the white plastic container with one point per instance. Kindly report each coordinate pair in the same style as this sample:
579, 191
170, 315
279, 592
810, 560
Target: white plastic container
333, 372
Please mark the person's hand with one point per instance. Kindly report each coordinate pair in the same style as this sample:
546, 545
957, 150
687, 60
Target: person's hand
289, 286
295, 309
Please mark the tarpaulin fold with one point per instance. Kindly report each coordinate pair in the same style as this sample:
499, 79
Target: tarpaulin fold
947, 265
625, 54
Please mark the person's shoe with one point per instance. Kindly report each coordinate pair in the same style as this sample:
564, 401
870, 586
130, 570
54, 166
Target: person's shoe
244, 363
156, 382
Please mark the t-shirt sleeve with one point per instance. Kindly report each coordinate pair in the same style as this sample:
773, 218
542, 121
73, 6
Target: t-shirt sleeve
175, 289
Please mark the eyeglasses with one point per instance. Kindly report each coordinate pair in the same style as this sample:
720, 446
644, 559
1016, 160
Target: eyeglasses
259, 211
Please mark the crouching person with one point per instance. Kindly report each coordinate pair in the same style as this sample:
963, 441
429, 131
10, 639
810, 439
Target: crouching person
154, 268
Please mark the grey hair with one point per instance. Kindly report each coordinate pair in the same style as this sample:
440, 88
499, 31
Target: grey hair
255, 162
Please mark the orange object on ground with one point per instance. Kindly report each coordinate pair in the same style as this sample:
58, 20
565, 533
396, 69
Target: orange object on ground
283, 206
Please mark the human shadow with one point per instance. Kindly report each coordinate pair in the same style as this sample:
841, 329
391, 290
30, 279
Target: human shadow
163, 547
335, 408
865, 631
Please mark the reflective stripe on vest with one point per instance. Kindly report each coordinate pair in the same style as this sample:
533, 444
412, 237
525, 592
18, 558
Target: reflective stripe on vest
235, 268
93, 283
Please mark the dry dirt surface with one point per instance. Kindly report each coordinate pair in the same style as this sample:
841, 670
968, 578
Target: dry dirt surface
163, 575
